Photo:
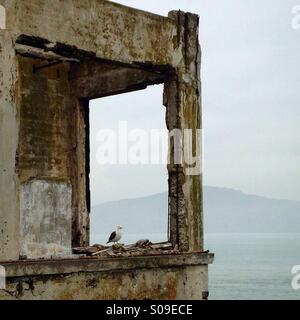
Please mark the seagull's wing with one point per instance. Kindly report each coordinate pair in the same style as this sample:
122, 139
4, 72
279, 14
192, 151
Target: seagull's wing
112, 236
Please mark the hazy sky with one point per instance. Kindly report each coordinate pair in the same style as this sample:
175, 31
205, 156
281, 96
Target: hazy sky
251, 93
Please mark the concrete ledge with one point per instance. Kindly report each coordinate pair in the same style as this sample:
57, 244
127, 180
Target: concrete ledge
69, 266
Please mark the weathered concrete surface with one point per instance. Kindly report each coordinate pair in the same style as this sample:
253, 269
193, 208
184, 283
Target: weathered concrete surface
158, 277
54, 57
109, 30
52, 134
51, 145
9, 131
46, 218
182, 98
96, 79
46, 107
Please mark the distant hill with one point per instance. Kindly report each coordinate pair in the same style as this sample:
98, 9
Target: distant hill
228, 210
141, 215
225, 210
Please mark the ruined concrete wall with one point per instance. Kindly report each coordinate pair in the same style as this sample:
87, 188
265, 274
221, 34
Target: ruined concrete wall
44, 165
111, 31
144, 284
9, 132
53, 133
44, 141
161, 277
41, 127
46, 133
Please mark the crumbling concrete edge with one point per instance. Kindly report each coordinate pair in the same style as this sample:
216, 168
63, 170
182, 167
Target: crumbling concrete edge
68, 266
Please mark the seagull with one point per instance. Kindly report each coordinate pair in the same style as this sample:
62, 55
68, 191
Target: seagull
115, 235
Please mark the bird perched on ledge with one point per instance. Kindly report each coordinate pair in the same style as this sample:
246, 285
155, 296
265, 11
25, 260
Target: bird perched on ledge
115, 235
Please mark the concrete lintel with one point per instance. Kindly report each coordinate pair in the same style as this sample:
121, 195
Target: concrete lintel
68, 266
110, 31
98, 79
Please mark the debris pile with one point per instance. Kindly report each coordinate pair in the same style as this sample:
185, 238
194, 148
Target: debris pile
140, 248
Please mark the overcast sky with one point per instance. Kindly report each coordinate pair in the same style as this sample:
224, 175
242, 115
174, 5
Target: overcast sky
251, 93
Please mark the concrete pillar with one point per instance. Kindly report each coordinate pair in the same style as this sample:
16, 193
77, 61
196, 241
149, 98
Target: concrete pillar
9, 132
183, 101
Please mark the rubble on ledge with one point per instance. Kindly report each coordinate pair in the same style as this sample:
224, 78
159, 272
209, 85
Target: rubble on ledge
143, 247
140, 248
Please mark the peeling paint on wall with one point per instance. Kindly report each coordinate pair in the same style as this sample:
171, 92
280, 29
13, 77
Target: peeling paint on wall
46, 218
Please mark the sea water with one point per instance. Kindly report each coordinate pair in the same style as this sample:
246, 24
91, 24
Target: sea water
253, 266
